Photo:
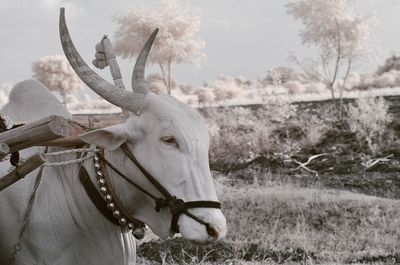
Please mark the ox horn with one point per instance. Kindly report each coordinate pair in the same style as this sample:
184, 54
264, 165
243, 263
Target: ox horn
140, 66
121, 98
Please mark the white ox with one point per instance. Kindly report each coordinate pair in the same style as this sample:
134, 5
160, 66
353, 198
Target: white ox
168, 138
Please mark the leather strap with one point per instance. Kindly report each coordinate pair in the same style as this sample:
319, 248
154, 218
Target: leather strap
118, 204
176, 206
95, 196
152, 179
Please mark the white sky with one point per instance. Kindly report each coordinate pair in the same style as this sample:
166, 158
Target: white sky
244, 38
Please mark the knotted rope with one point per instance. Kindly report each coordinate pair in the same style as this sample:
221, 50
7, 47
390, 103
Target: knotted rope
90, 154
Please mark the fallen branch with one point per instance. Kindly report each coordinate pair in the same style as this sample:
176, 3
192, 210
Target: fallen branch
372, 162
304, 165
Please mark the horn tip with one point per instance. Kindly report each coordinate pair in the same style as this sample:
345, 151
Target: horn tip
62, 9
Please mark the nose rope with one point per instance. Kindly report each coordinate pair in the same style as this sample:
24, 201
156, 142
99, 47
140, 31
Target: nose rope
177, 206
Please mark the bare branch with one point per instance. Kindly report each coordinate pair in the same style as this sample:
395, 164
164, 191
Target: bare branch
312, 75
349, 64
164, 75
372, 162
304, 165
339, 54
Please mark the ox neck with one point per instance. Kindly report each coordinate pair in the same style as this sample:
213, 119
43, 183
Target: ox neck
106, 199
71, 223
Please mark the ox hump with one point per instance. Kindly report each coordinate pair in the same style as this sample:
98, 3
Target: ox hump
30, 100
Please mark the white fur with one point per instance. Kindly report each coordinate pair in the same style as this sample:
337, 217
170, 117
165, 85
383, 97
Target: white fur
66, 228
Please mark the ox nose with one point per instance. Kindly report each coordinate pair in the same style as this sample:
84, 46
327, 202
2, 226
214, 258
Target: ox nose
212, 232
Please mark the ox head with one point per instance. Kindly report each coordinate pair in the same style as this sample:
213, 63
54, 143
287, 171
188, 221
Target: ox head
168, 138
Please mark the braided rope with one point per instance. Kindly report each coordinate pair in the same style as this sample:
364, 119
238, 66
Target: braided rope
70, 151
17, 246
69, 162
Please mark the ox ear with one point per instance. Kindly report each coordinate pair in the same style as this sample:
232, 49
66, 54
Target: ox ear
109, 138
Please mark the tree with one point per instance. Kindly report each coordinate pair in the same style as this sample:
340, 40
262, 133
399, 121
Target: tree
284, 74
157, 84
56, 74
339, 34
175, 43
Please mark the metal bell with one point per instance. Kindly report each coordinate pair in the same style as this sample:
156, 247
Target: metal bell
102, 181
138, 232
111, 206
116, 213
97, 165
103, 190
108, 198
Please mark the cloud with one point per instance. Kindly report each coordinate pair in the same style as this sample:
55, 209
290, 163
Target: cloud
49, 4
52, 6
254, 22
219, 22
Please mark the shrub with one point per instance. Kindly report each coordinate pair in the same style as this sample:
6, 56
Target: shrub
205, 96
277, 110
294, 87
223, 88
285, 74
314, 129
387, 79
369, 118
239, 134
314, 88
232, 133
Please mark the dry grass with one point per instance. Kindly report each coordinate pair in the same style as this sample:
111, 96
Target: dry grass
326, 225
282, 224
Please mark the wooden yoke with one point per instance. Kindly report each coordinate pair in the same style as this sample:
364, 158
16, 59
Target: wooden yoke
35, 133
46, 131
4, 150
21, 171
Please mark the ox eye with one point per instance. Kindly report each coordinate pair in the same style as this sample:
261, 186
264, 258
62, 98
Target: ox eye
169, 140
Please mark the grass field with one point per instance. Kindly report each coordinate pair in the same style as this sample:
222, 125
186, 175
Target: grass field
283, 223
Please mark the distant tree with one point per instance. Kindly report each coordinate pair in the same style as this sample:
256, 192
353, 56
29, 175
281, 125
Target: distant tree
205, 95
56, 74
157, 84
339, 34
187, 89
286, 74
392, 63
175, 42
223, 88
